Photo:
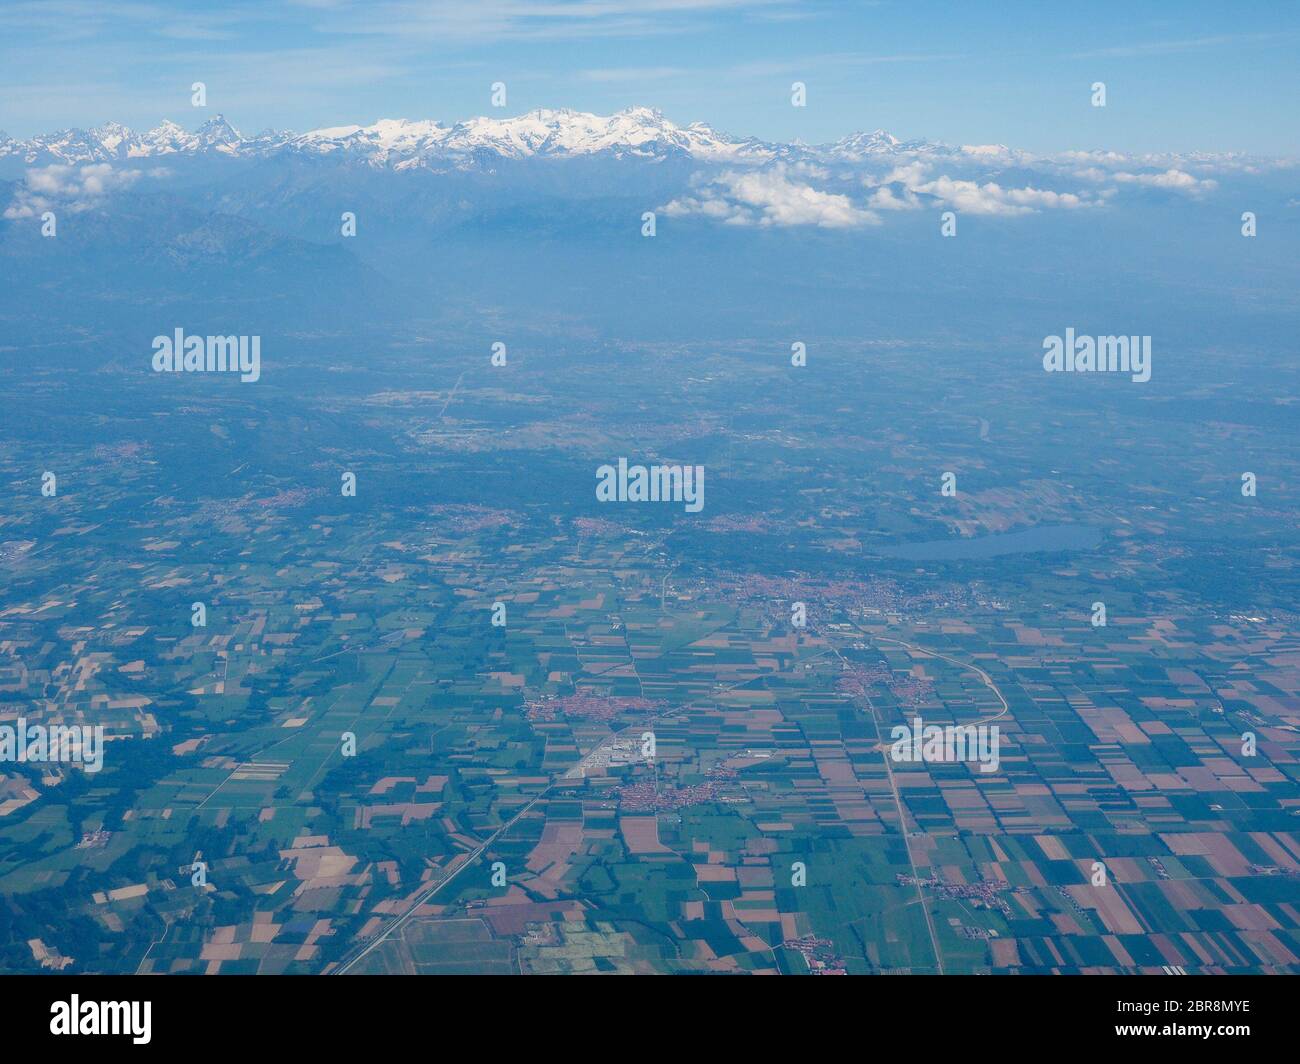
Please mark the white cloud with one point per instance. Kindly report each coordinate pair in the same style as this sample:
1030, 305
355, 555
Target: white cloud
1171, 171
769, 198
69, 188
1178, 180
991, 198
884, 199
909, 174
993, 153
1173, 179
970, 197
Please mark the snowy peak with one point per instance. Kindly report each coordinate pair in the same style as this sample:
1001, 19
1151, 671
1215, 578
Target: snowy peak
637, 132
217, 133
166, 139
865, 145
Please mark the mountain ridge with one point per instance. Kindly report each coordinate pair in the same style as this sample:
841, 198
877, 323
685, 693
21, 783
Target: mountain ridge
635, 132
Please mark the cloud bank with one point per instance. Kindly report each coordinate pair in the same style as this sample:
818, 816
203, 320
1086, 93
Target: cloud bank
769, 198
70, 189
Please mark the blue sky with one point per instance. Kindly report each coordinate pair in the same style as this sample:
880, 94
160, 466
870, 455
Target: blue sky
1191, 76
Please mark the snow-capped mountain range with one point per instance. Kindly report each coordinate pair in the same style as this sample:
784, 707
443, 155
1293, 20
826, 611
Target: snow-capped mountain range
637, 132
